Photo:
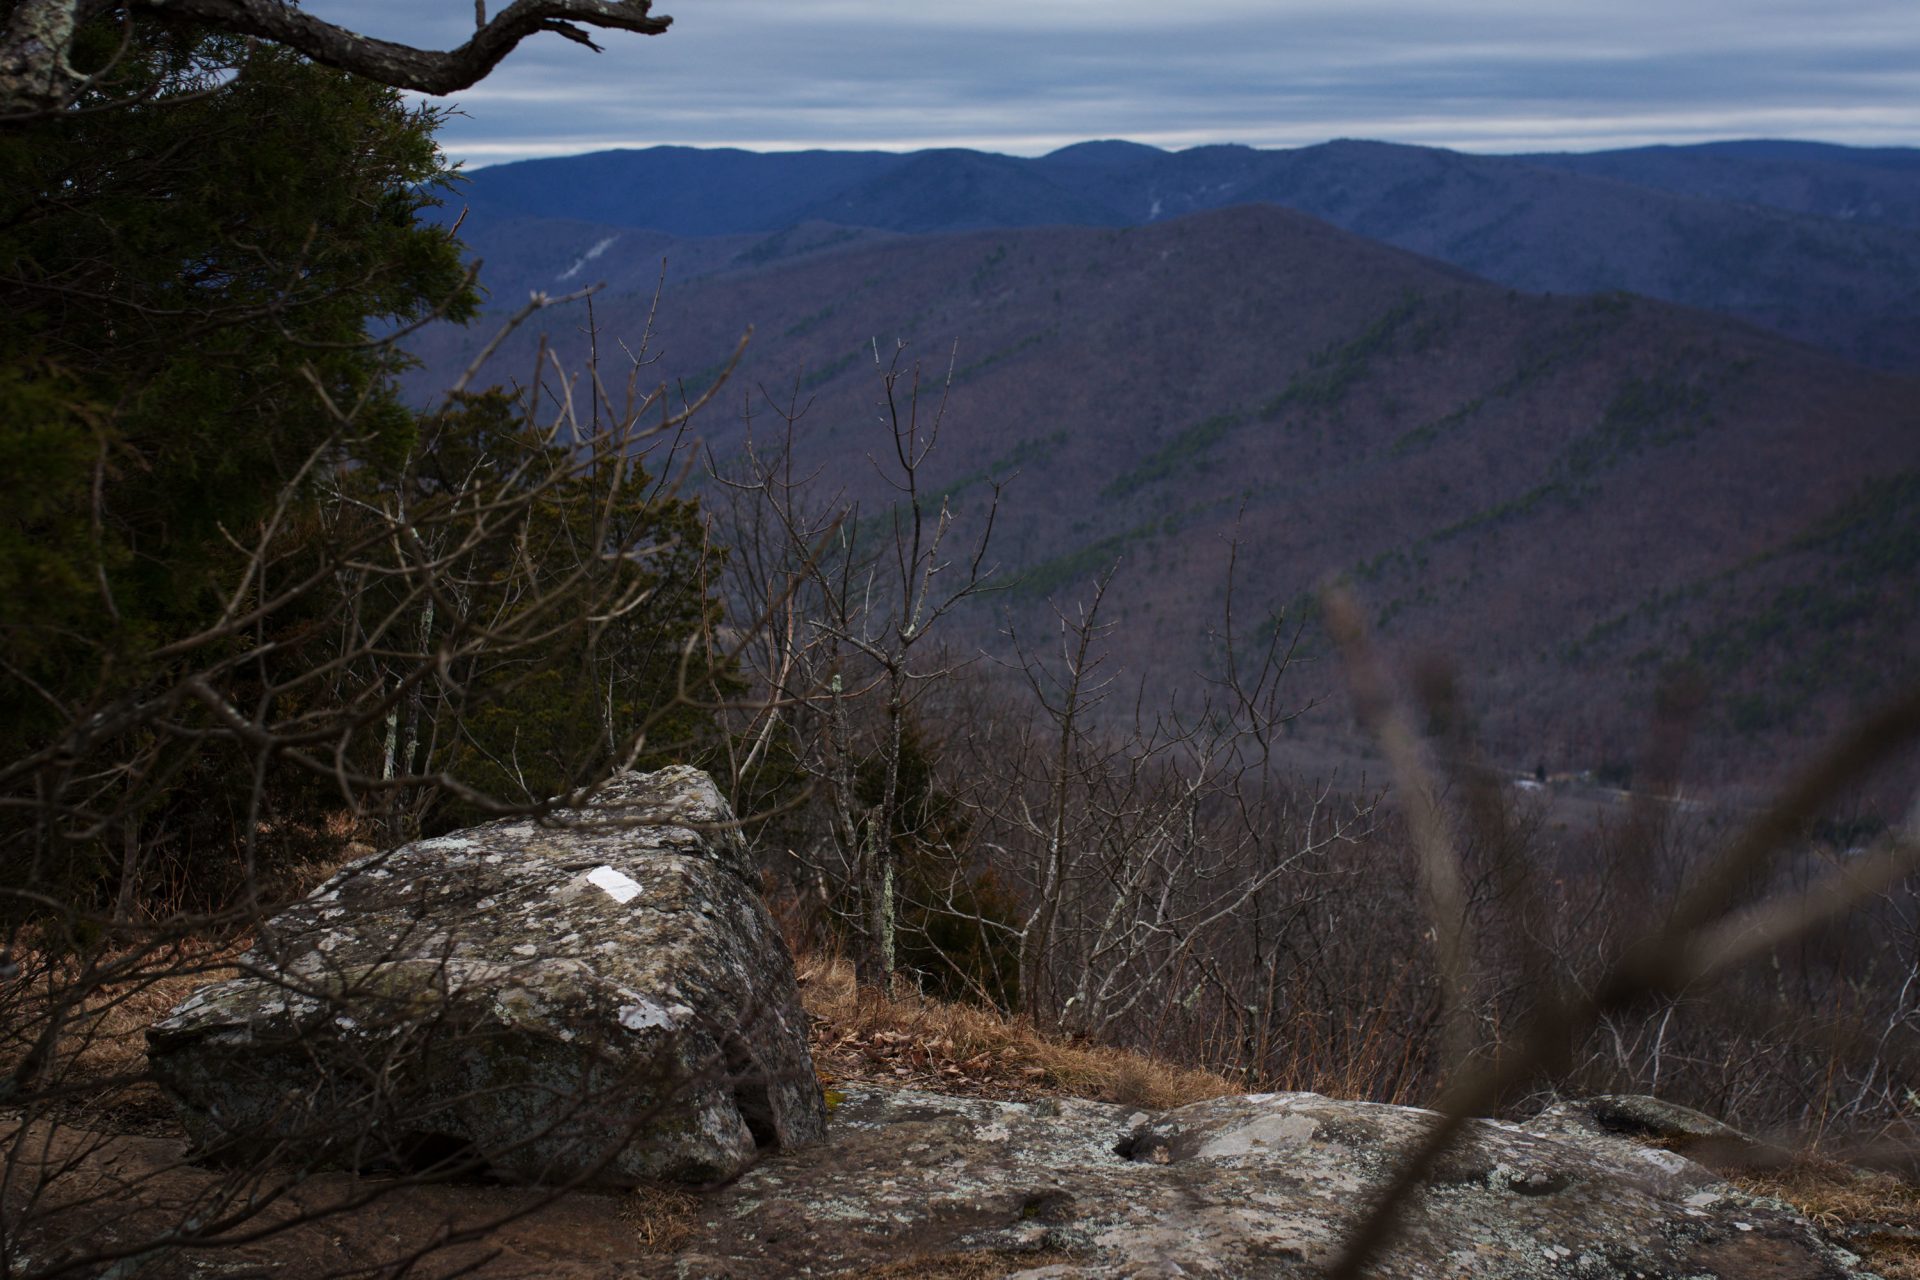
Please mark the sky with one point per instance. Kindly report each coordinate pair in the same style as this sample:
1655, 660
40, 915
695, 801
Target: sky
1027, 76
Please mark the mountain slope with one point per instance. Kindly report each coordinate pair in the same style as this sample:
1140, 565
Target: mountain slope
1816, 242
558, 255
958, 190
684, 190
1878, 185
1578, 498
1854, 289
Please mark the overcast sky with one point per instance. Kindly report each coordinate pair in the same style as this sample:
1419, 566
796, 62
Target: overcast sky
1026, 76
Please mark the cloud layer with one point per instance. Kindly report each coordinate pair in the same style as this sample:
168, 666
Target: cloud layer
1025, 76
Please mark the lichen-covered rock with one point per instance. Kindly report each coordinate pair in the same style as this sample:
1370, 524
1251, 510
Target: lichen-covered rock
1235, 1188
600, 997
1642, 1118
1636, 1115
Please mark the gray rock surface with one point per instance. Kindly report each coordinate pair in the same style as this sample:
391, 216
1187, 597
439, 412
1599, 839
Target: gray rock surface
1236, 1187
601, 997
1638, 1115
1645, 1119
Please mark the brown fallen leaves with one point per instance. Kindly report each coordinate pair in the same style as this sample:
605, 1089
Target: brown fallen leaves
898, 1055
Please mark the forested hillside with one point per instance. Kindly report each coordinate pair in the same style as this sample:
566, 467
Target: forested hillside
1577, 497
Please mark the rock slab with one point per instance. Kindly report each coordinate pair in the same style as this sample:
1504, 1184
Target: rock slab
598, 998
1236, 1188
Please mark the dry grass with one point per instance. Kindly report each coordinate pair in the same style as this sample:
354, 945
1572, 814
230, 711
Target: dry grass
107, 997
1877, 1214
101, 1059
663, 1217
960, 1048
989, 1265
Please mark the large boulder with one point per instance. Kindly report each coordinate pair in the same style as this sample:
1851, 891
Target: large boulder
1236, 1188
600, 997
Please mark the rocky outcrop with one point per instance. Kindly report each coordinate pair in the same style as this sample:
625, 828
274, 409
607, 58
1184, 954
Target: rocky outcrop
601, 997
1655, 1121
1235, 1187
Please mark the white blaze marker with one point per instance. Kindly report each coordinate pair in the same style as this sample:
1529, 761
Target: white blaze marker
620, 887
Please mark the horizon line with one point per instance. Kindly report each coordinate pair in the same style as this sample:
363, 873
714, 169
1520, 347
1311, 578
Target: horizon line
517, 154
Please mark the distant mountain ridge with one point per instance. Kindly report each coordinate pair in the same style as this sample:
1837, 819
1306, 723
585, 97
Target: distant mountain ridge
1865, 184
1819, 242
694, 191
687, 191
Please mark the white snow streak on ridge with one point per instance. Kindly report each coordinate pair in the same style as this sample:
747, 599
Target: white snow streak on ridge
587, 257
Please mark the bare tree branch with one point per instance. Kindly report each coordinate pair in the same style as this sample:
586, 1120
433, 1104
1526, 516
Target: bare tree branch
36, 74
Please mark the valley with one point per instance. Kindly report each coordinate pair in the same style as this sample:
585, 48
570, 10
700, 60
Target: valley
1587, 503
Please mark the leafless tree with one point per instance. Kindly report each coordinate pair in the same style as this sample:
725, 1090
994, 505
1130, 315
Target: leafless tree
1133, 857
856, 599
1162, 857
